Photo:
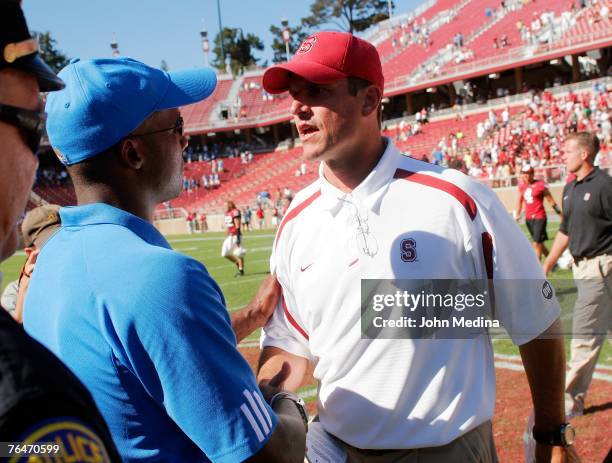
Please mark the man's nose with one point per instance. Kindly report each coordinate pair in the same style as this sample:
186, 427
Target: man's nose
300, 109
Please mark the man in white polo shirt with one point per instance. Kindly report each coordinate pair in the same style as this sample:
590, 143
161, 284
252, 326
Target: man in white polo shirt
376, 214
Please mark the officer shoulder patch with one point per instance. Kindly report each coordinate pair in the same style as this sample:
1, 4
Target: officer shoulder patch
77, 442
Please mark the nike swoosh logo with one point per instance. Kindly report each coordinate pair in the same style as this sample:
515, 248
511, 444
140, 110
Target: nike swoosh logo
354, 262
303, 269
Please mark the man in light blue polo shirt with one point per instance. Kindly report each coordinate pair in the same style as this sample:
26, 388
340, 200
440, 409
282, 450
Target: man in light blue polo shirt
144, 327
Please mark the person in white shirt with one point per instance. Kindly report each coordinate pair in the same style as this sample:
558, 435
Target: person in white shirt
374, 213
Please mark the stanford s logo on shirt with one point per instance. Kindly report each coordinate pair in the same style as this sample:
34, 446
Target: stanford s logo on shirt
408, 250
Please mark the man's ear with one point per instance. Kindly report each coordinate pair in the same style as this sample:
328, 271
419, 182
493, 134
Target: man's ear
371, 101
129, 154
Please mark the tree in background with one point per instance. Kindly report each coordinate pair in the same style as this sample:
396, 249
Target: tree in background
51, 55
239, 48
298, 34
346, 15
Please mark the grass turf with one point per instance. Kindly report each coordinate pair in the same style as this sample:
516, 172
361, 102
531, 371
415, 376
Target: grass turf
238, 291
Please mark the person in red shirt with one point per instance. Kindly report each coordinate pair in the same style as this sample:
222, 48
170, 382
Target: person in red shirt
203, 223
232, 248
190, 222
532, 193
260, 216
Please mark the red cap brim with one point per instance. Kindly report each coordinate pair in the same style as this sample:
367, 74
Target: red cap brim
276, 79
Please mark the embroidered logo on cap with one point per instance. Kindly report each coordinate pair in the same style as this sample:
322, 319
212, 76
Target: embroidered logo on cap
306, 45
14, 51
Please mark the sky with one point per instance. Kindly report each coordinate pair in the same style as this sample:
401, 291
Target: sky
156, 30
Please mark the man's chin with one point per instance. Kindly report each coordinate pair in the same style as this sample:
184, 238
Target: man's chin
312, 152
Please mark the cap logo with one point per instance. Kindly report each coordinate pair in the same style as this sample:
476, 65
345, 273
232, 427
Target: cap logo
60, 156
306, 45
16, 50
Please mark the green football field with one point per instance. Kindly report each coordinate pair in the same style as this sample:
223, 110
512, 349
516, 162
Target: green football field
238, 291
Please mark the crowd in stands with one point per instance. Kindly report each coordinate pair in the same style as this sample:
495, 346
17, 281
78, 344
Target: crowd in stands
196, 152
542, 27
504, 141
410, 32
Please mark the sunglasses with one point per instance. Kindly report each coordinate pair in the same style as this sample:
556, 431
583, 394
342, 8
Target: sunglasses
31, 123
177, 128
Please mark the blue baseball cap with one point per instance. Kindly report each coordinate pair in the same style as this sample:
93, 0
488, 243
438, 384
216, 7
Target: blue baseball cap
106, 99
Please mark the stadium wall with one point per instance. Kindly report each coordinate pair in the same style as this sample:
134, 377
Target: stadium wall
215, 222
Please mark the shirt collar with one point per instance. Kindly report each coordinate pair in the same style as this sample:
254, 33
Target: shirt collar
589, 177
101, 213
370, 191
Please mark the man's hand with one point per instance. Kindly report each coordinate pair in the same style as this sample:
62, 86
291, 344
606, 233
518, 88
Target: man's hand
559, 245
269, 388
263, 304
547, 266
546, 454
259, 310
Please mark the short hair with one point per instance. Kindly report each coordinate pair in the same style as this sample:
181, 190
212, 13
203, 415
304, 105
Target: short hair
587, 141
355, 84
97, 169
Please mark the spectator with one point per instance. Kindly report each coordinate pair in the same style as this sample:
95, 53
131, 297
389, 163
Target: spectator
248, 215
260, 216
190, 222
37, 227
275, 217
203, 222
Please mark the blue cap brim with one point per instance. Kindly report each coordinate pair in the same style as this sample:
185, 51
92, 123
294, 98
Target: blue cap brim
188, 87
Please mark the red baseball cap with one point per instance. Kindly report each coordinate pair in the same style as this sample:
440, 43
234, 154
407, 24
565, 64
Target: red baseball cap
326, 57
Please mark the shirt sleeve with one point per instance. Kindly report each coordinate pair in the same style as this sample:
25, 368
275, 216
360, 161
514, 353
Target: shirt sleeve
523, 300
285, 329
181, 346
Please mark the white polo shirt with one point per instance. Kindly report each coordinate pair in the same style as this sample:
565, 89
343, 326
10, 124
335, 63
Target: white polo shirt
396, 393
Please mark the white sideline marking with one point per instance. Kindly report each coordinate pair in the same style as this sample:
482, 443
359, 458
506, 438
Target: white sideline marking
215, 267
240, 280
249, 344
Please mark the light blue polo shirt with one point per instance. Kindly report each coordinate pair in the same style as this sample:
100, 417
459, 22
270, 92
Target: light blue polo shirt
146, 330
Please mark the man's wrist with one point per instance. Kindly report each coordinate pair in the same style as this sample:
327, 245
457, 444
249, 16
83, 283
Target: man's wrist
562, 435
298, 402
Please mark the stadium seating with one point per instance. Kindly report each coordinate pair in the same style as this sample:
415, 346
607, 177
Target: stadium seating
242, 182
253, 101
467, 21
483, 45
200, 113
